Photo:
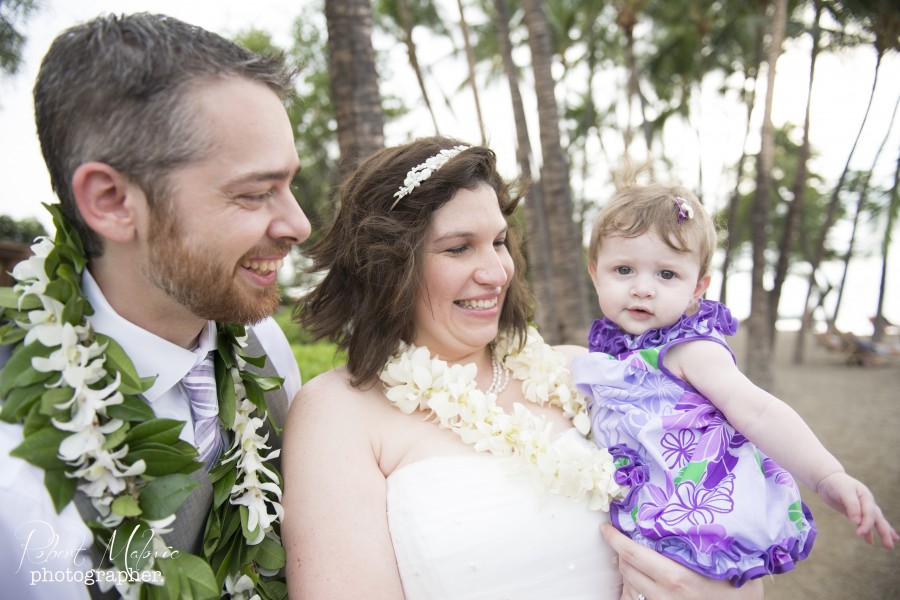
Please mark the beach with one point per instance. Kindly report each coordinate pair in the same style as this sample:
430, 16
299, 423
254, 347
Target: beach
855, 411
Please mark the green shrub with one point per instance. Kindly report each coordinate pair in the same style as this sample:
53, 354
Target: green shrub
313, 357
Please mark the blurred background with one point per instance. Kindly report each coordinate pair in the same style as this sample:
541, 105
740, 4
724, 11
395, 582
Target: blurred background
800, 162
780, 115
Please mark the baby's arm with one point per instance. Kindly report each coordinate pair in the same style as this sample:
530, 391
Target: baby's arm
779, 432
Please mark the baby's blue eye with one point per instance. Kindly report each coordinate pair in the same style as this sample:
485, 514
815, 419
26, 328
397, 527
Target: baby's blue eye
623, 270
667, 274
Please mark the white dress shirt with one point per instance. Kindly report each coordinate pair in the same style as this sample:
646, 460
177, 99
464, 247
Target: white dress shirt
45, 555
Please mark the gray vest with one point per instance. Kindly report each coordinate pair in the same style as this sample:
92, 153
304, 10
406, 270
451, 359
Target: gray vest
190, 519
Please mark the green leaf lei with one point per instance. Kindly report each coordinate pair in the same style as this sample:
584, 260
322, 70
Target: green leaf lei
76, 393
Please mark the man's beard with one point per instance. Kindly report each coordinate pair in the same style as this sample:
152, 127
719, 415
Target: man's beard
201, 283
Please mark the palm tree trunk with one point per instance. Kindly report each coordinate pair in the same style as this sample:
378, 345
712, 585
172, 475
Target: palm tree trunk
470, 59
731, 241
406, 23
860, 203
893, 208
759, 357
795, 209
569, 271
830, 216
354, 81
537, 239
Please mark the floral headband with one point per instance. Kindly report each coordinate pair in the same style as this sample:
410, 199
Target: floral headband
421, 172
685, 210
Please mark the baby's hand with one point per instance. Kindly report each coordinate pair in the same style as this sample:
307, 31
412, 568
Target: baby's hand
850, 497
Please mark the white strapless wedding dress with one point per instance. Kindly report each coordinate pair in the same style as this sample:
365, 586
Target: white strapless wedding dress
473, 526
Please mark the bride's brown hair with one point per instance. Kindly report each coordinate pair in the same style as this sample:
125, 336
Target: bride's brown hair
372, 254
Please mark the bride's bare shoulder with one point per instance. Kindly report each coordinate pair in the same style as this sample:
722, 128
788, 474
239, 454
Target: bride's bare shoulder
334, 391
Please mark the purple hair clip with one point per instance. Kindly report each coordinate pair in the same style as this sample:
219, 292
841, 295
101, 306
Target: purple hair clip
685, 210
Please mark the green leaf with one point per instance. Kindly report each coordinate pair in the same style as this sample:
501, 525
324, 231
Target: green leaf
54, 396
131, 409
223, 351
10, 333
245, 517
117, 359
162, 459
197, 580
222, 486
172, 586
222, 564
60, 487
9, 298
130, 544
113, 439
35, 421
270, 554
18, 371
255, 394
256, 361
272, 589
19, 401
162, 497
211, 534
126, 506
266, 384
227, 398
41, 448
160, 431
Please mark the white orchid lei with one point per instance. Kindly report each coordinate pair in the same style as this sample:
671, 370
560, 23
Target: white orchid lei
76, 393
563, 465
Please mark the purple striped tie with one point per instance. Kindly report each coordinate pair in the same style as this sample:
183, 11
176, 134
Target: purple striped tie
200, 384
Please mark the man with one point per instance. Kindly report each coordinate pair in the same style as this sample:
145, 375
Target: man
172, 156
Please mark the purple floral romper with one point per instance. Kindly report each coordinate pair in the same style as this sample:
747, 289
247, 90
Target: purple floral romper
699, 491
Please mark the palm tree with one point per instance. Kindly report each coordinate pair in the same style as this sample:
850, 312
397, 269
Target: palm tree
892, 210
566, 249
627, 12
354, 81
470, 61
751, 66
540, 261
759, 346
860, 204
795, 208
405, 18
882, 19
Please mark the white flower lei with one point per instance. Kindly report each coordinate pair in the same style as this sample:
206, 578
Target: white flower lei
562, 465
87, 387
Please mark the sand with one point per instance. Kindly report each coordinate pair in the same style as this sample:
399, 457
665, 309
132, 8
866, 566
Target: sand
855, 411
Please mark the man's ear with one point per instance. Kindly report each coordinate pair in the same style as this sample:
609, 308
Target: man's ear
103, 196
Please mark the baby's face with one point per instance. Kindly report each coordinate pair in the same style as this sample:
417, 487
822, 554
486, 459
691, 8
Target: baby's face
644, 284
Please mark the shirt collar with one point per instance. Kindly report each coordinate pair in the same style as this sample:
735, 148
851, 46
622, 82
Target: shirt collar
151, 354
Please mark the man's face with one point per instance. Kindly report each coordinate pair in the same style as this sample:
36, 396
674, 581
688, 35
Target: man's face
216, 241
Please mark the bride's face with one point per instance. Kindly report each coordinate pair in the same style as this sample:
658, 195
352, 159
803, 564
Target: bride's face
466, 271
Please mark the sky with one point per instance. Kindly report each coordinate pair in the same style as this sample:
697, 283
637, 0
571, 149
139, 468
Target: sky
842, 85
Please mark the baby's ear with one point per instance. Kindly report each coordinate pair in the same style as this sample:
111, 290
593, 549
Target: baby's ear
102, 194
699, 290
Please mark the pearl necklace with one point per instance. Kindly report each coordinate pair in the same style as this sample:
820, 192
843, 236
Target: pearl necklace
499, 376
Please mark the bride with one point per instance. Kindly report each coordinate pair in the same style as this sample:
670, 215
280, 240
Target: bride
448, 458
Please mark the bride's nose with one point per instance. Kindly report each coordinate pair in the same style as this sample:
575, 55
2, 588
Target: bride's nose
491, 272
